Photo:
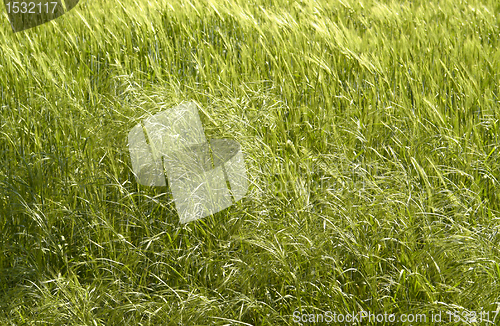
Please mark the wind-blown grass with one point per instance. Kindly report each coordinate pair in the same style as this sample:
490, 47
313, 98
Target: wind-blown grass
371, 138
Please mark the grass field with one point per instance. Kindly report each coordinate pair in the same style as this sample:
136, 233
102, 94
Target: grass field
371, 134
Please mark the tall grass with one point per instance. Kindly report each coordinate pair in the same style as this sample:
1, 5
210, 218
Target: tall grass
371, 137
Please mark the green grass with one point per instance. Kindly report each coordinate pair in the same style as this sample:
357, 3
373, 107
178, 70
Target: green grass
371, 134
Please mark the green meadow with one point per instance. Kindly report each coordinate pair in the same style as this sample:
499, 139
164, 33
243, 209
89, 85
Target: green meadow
371, 138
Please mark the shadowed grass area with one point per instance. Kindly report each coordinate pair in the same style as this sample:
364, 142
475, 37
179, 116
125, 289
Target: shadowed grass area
371, 134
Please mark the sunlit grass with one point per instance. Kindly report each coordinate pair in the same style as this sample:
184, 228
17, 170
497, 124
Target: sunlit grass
371, 138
